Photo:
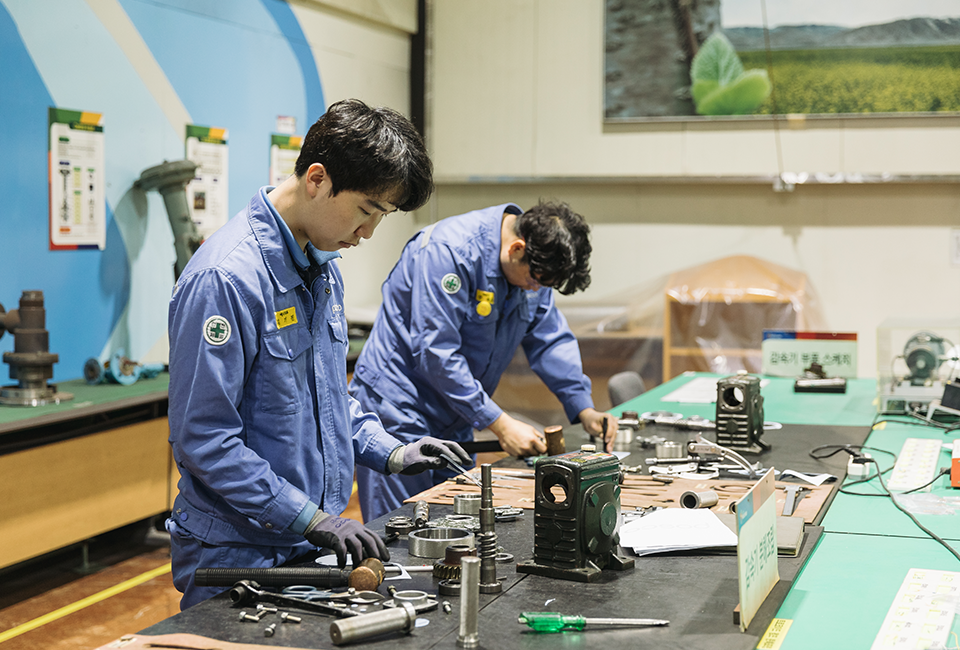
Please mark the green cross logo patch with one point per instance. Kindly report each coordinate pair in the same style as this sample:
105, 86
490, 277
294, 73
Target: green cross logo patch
450, 283
216, 330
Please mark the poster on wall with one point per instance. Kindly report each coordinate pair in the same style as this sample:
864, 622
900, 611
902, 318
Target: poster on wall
683, 60
207, 192
284, 150
76, 179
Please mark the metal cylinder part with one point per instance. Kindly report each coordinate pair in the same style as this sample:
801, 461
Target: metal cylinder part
555, 442
421, 514
274, 576
671, 449
706, 499
469, 636
399, 525
624, 438
466, 504
432, 542
487, 515
357, 628
367, 575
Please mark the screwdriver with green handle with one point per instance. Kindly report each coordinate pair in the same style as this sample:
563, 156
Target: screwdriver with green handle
555, 622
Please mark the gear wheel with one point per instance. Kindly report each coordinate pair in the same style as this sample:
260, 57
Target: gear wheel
449, 567
443, 571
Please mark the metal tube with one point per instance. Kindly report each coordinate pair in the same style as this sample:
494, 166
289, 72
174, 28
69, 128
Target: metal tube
706, 499
394, 619
469, 603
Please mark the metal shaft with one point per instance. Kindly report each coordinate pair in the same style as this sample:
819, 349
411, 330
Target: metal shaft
395, 619
469, 603
626, 622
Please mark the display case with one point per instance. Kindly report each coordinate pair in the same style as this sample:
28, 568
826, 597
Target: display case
915, 360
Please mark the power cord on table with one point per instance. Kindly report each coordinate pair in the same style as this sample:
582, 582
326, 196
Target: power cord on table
855, 451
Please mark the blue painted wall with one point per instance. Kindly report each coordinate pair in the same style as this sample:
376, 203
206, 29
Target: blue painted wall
236, 65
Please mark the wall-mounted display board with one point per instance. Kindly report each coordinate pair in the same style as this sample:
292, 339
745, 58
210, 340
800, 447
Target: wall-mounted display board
677, 59
76, 180
207, 193
284, 151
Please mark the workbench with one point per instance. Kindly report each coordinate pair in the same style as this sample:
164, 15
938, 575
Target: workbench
835, 593
74, 470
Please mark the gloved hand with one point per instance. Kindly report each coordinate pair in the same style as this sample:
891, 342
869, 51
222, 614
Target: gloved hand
342, 535
425, 453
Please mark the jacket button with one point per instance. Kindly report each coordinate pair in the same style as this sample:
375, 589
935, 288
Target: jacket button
360, 368
327, 289
268, 525
476, 425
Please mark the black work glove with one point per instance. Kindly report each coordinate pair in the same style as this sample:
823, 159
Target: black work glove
425, 453
342, 535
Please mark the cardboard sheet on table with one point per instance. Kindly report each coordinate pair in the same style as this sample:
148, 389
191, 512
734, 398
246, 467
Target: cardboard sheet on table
637, 491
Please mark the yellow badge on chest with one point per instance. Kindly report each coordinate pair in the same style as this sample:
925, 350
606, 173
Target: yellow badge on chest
484, 302
286, 317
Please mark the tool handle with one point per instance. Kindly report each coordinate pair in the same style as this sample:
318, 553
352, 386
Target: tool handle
552, 621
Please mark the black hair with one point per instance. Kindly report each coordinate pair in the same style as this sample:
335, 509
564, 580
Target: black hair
376, 151
557, 246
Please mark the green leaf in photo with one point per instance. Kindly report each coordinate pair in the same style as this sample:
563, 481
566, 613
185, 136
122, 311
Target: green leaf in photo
720, 84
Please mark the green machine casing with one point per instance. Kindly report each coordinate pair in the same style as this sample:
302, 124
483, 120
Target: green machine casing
576, 517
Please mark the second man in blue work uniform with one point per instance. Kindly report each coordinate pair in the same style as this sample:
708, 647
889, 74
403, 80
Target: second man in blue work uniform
466, 293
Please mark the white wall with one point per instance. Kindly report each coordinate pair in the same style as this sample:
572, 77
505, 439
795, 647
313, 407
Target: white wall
516, 113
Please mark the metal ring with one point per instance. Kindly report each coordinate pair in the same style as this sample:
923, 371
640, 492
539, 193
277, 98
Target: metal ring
466, 504
449, 587
432, 542
503, 558
706, 499
412, 596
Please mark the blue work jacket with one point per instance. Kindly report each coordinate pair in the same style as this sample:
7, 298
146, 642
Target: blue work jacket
437, 355
260, 418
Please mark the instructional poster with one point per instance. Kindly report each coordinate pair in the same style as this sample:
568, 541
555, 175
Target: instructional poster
284, 150
207, 194
78, 215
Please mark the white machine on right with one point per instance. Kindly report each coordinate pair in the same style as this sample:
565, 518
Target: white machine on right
917, 362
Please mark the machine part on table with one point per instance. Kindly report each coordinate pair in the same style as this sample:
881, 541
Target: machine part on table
400, 525
670, 449
576, 515
421, 601
507, 513
739, 419
466, 504
270, 630
469, 636
554, 438
368, 575
421, 514
118, 370
555, 622
693, 500
246, 592
432, 542
448, 568
703, 447
466, 522
458, 468
170, 179
623, 439
449, 587
287, 617
487, 539
446, 607
31, 362
358, 628
503, 557
794, 494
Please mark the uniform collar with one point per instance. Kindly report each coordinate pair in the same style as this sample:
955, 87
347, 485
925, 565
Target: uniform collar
278, 252
491, 258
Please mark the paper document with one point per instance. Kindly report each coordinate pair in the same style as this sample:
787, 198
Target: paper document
675, 529
702, 390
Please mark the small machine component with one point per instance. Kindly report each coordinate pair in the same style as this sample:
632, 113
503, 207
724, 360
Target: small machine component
703, 448
815, 380
432, 542
246, 592
469, 634
394, 619
466, 504
400, 525
449, 567
118, 370
739, 420
487, 538
421, 514
576, 516
693, 500
31, 362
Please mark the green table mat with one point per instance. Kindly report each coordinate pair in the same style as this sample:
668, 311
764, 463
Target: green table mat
781, 404
847, 586
86, 396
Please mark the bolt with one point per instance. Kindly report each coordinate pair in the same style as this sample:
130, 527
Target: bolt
392, 590
270, 629
266, 608
247, 617
446, 606
287, 617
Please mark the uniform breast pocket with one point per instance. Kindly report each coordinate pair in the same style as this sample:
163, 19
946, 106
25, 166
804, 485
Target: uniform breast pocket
283, 376
339, 344
477, 338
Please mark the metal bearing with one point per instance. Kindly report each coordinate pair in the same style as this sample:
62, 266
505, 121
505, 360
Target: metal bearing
399, 525
466, 504
449, 587
432, 542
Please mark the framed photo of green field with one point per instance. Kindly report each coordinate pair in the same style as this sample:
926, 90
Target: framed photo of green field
703, 59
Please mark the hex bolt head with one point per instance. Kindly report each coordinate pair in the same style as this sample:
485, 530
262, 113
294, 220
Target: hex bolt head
446, 606
270, 629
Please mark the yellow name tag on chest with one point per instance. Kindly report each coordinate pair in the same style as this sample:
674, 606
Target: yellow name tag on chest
286, 317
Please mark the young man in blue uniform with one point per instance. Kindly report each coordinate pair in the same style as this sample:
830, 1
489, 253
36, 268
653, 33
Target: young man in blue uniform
262, 429
465, 294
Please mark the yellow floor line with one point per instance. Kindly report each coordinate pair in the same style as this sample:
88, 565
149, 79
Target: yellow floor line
86, 602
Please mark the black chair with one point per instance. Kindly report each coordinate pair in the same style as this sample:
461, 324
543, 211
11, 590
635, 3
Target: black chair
624, 386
